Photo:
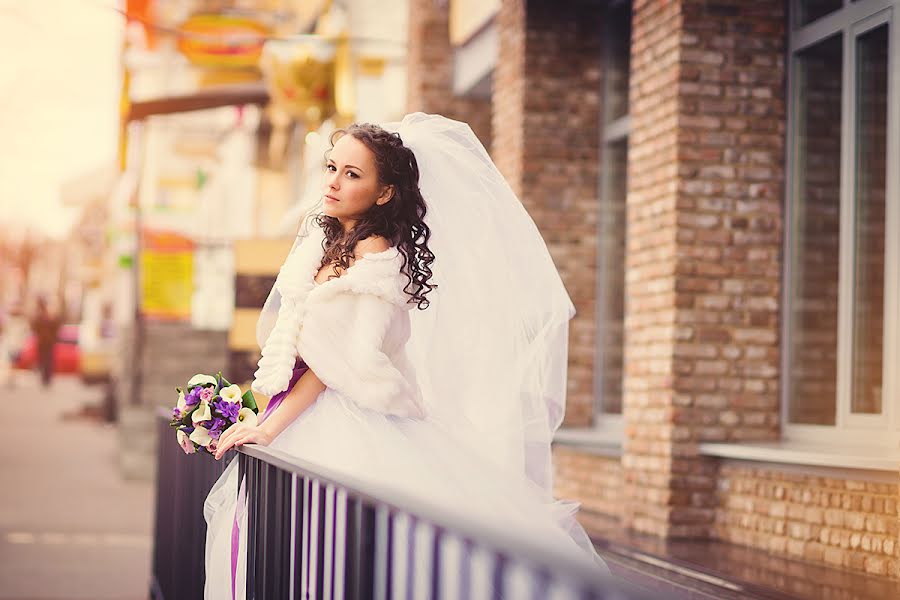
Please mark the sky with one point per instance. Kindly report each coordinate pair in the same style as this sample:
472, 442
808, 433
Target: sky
59, 94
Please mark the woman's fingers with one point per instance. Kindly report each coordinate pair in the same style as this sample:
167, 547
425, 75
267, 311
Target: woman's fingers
226, 441
238, 435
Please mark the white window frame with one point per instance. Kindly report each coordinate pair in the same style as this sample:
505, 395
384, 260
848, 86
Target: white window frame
853, 20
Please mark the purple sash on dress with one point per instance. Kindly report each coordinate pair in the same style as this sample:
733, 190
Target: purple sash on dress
299, 369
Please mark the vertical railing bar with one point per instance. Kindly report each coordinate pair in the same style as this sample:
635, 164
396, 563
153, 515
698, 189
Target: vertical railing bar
297, 549
497, 575
542, 585
262, 562
465, 568
281, 531
293, 544
436, 562
340, 530
382, 547
321, 575
389, 555
411, 524
314, 541
304, 579
328, 538
251, 498
354, 548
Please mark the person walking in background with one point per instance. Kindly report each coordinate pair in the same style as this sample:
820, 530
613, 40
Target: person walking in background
5, 358
45, 327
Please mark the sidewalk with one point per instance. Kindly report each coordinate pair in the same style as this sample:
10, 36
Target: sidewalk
70, 526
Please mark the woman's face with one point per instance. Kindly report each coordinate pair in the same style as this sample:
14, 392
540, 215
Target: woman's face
351, 182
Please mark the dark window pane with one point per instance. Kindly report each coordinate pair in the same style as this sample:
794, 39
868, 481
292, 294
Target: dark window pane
807, 11
611, 289
617, 51
868, 273
815, 235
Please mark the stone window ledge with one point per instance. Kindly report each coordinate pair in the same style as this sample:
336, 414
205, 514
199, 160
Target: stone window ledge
600, 442
872, 458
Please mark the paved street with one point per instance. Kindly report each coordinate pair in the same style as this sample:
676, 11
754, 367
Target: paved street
70, 526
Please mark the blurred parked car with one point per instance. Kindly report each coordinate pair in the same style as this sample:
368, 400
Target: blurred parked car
66, 355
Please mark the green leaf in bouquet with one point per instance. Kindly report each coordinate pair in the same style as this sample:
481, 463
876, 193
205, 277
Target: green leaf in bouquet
248, 401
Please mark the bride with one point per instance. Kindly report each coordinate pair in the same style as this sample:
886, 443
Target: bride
416, 336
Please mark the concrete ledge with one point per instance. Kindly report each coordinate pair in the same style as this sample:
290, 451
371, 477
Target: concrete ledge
871, 458
590, 441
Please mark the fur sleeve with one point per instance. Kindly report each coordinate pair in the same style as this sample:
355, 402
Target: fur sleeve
343, 342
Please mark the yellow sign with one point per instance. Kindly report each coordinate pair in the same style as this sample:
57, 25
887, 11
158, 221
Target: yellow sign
167, 276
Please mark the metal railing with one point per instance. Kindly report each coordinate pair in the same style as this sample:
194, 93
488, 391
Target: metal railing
317, 534
182, 484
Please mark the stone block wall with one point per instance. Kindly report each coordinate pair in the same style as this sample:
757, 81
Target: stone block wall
845, 522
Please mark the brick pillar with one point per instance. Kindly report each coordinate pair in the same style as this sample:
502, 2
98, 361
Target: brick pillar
546, 132
430, 73
703, 258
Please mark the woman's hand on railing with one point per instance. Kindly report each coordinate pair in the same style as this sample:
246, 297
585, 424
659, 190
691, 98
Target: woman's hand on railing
240, 434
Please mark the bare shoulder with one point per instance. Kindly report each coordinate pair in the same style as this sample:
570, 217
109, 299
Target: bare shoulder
371, 245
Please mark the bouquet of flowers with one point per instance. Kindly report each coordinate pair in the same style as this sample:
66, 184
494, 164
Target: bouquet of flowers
207, 407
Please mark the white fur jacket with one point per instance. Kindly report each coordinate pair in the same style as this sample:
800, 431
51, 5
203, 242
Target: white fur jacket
350, 330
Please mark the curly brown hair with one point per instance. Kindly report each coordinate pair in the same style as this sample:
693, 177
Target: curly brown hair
400, 221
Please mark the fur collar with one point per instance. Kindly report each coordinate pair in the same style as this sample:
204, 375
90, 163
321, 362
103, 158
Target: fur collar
377, 274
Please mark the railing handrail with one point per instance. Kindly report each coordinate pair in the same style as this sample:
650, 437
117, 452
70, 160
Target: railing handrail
487, 535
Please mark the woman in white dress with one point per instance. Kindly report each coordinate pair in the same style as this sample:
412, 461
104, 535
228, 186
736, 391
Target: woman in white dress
416, 337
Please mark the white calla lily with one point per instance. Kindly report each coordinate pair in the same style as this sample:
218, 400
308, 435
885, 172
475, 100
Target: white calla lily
232, 393
201, 379
202, 413
201, 436
247, 417
181, 403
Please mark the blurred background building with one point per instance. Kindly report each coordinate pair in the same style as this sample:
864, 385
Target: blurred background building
711, 178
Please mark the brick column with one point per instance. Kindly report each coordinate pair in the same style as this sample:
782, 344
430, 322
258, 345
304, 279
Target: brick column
430, 73
546, 131
703, 257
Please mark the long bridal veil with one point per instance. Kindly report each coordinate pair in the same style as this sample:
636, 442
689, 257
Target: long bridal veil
491, 350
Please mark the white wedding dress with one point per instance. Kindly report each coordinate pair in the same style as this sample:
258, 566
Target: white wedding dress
455, 405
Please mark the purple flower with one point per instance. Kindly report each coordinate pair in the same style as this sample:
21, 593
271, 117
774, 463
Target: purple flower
229, 410
176, 414
193, 397
206, 394
216, 428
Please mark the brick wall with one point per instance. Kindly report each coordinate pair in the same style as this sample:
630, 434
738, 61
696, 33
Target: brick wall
704, 246
849, 523
650, 267
546, 123
594, 481
430, 72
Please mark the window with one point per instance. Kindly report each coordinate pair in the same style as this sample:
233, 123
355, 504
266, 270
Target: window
611, 234
842, 244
